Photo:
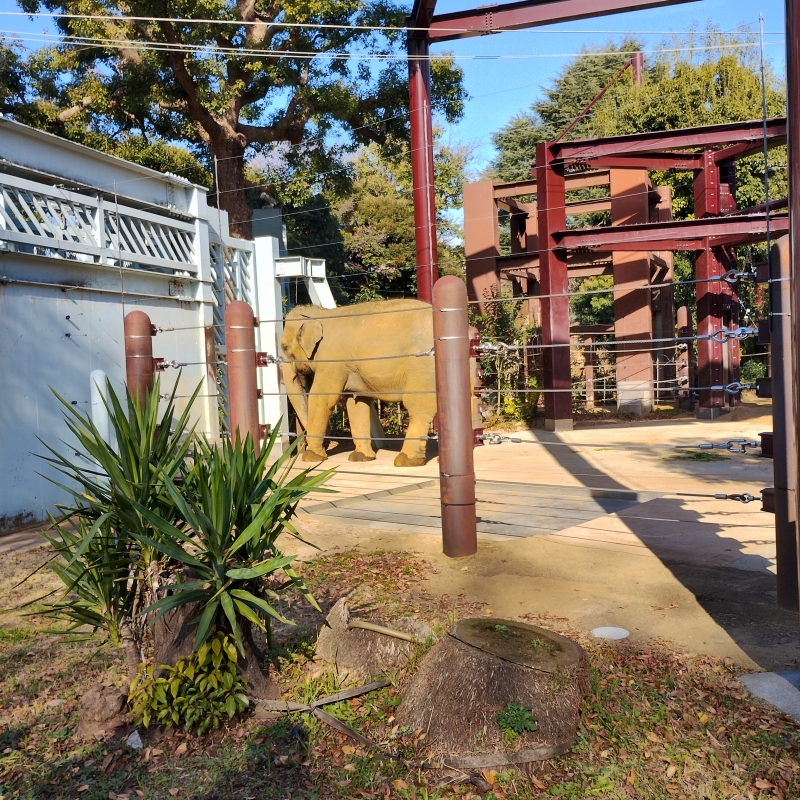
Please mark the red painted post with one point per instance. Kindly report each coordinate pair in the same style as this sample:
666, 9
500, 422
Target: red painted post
139, 364
481, 241
552, 217
240, 345
422, 174
637, 62
793, 147
783, 455
454, 400
709, 300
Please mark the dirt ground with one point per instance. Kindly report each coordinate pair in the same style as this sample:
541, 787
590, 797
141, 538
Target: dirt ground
694, 571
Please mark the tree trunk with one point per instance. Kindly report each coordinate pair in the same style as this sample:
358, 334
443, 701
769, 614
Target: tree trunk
229, 186
133, 656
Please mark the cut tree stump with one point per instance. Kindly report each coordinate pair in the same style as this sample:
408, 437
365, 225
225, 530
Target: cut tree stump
476, 670
173, 638
364, 655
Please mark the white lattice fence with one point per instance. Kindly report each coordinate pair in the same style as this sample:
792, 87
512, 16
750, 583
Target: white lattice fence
51, 221
232, 279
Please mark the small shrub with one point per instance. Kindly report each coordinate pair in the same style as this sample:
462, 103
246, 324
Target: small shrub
198, 691
514, 719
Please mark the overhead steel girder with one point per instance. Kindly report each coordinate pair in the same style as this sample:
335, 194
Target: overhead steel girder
687, 234
683, 162
694, 138
527, 14
420, 18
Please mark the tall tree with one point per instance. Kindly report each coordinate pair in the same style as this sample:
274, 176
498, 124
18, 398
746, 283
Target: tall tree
701, 79
237, 77
573, 89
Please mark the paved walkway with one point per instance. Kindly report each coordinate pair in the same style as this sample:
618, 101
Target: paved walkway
581, 488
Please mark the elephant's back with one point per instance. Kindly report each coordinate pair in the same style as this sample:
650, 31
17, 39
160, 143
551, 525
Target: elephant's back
378, 327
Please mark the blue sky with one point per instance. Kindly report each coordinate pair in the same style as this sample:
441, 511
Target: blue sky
514, 66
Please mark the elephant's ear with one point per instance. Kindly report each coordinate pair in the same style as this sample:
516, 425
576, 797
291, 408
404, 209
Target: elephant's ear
309, 336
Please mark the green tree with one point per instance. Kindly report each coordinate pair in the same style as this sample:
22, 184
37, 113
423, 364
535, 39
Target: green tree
241, 84
703, 78
573, 89
13, 78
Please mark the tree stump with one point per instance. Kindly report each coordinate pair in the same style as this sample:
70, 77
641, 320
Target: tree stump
476, 671
361, 654
173, 638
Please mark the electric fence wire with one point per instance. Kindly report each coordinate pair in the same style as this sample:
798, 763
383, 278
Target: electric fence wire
350, 26
205, 50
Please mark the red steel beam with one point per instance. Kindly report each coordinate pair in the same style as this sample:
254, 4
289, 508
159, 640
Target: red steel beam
528, 14
674, 235
707, 136
421, 16
682, 162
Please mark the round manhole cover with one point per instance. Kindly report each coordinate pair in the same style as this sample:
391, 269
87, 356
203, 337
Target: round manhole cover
610, 633
519, 643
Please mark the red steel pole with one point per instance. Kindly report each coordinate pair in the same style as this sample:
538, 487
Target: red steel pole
793, 147
422, 175
139, 364
454, 401
554, 280
240, 343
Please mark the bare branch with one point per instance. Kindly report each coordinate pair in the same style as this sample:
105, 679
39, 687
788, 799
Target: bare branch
177, 62
69, 113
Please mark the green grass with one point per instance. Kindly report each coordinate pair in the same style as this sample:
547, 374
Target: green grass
697, 455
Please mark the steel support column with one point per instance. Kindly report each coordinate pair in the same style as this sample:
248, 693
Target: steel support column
709, 300
783, 441
422, 173
793, 119
481, 241
633, 318
553, 279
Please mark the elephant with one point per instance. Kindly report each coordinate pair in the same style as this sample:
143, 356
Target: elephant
382, 349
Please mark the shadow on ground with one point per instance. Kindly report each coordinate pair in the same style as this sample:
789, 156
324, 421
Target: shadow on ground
743, 603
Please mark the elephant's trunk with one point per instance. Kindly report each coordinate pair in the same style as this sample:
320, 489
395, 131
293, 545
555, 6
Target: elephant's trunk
296, 392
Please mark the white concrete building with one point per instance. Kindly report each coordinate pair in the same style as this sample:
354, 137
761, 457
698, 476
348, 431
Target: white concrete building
86, 237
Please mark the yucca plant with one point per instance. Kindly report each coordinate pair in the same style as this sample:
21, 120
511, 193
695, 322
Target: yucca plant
108, 574
241, 503
94, 567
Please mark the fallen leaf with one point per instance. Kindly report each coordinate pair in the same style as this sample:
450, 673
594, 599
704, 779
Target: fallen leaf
538, 784
632, 777
671, 770
764, 784
349, 767
348, 750
398, 784
173, 792
82, 788
651, 737
181, 749
703, 717
490, 776
106, 761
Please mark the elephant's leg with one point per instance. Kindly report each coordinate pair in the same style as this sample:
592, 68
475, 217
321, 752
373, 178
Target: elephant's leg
320, 406
359, 413
420, 412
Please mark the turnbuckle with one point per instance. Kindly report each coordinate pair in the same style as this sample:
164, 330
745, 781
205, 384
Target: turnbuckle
723, 334
732, 445
731, 388
744, 497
